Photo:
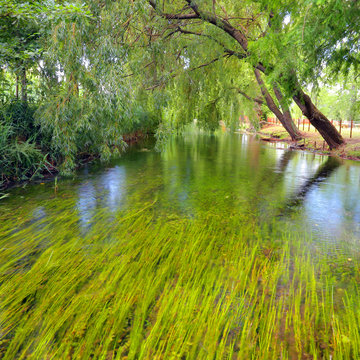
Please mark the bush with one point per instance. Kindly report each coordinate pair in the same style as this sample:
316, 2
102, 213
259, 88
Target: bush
20, 116
20, 157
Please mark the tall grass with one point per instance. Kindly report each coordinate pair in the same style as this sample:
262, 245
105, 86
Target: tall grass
144, 285
20, 154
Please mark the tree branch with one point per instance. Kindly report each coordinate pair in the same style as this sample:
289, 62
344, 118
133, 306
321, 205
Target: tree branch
190, 70
221, 23
210, 62
228, 51
132, 74
257, 100
173, 16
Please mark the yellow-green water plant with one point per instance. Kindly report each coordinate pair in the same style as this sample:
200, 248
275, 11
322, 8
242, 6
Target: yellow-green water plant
140, 284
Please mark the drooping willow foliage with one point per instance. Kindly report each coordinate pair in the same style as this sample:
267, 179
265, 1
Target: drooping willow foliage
90, 108
116, 79
97, 70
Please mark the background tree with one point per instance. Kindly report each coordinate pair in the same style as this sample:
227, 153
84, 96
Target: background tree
104, 69
256, 39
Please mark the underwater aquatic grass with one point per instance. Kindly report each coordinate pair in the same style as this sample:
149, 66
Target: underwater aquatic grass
140, 284
149, 283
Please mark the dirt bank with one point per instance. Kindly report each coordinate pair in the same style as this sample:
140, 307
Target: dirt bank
312, 141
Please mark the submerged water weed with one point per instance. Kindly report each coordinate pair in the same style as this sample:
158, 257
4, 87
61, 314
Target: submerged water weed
194, 253
139, 285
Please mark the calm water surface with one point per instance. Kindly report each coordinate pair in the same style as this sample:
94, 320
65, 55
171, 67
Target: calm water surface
119, 252
231, 173
197, 172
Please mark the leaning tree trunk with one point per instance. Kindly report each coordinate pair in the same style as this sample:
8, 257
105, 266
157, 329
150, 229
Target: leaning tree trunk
286, 111
286, 122
318, 120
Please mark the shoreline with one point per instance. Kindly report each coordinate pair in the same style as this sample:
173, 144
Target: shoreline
268, 133
83, 159
311, 142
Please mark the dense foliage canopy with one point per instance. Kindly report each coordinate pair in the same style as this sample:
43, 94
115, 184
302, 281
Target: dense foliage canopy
75, 77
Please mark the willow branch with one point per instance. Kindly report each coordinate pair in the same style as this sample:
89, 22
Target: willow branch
220, 23
132, 74
257, 100
226, 55
228, 51
210, 62
173, 16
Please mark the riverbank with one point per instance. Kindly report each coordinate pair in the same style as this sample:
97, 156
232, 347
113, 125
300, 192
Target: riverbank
312, 141
51, 170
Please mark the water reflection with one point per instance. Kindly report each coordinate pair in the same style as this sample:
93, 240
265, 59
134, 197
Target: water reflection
114, 184
226, 175
86, 203
284, 160
324, 171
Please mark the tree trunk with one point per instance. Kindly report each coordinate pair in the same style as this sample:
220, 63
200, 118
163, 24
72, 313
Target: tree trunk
286, 112
289, 127
23, 86
318, 120
17, 87
73, 86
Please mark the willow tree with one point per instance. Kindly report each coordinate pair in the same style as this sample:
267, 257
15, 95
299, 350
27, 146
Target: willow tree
19, 41
310, 42
23, 25
207, 92
79, 55
254, 32
89, 100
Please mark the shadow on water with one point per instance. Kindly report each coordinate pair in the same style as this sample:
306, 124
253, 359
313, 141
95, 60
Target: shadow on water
322, 174
285, 159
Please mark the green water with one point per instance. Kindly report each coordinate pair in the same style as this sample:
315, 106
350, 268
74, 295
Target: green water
218, 247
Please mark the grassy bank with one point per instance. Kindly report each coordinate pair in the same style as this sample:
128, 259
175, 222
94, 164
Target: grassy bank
30, 149
314, 142
145, 285
27, 152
